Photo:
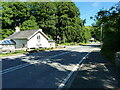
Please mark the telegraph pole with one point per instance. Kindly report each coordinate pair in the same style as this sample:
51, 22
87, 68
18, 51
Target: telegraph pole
101, 33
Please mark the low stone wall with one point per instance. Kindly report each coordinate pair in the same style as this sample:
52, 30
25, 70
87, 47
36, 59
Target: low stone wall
118, 61
118, 67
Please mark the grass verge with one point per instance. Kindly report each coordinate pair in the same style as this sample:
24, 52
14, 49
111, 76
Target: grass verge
23, 51
108, 54
12, 53
74, 44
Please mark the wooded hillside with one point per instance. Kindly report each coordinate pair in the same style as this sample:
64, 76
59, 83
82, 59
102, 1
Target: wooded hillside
108, 22
59, 20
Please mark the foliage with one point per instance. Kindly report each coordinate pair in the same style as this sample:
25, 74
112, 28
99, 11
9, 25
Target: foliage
95, 32
59, 20
23, 51
30, 24
6, 32
86, 34
109, 21
69, 24
12, 53
40, 49
14, 14
1, 34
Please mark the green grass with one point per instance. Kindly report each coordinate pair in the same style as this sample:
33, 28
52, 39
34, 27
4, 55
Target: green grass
12, 53
75, 44
40, 49
22, 51
67, 44
83, 43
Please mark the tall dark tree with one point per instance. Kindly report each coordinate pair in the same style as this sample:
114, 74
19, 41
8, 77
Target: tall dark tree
109, 21
14, 14
29, 24
45, 13
69, 22
59, 20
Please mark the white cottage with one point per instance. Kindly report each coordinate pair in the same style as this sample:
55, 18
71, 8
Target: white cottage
7, 44
31, 39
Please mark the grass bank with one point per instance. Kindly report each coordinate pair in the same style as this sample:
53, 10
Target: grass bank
13, 53
23, 51
74, 44
108, 54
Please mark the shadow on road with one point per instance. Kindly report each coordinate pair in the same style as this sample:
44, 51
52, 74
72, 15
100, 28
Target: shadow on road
50, 71
96, 73
92, 45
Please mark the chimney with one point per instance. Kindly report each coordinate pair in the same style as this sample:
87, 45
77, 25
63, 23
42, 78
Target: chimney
17, 29
40, 30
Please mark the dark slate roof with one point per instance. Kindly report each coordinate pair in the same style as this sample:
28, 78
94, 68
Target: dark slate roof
22, 34
7, 42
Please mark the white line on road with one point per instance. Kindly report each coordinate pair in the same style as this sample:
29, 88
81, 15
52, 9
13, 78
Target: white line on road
75, 69
27, 64
14, 68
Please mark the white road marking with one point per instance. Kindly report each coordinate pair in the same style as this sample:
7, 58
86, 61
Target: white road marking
64, 81
14, 56
75, 69
14, 68
27, 64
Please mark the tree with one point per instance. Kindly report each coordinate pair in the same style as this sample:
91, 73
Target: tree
69, 22
109, 21
30, 24
45, 13
86, 34
14, 14
57, 19
6, 32
6, 15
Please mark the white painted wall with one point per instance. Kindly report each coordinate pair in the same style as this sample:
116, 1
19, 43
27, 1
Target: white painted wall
7, 47
20, 43
35, 43
52, 44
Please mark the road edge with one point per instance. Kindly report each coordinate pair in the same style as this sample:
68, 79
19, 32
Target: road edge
67, 80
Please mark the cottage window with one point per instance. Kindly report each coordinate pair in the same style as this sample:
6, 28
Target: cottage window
38, 38
23, 45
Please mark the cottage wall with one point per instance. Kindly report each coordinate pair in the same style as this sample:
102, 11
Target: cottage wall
52, 44
21, 43
32, 39
7, 47
37, 41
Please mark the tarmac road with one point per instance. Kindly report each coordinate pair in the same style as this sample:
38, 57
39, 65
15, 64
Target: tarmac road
43, 69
